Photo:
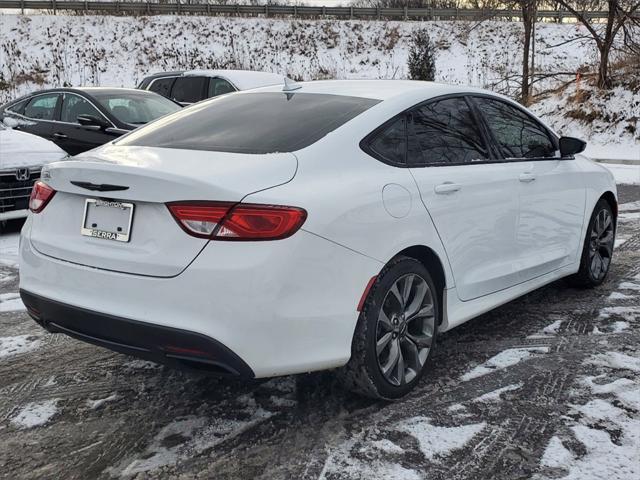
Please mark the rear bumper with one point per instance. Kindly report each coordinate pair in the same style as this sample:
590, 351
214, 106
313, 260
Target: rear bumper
172, 346
283, 307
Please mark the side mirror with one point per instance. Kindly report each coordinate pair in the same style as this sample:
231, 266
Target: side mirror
91, 122
569, 146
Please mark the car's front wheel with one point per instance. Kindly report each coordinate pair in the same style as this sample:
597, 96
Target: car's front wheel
598, 247
396, 332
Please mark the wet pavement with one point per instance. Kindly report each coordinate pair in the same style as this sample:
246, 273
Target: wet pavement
547, 386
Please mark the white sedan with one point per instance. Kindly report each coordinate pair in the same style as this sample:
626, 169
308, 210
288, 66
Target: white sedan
22, 156
313, 226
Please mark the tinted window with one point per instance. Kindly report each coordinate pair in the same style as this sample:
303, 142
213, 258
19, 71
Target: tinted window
162, 86
75, 105
18, 107
41, 107
188, 89
219, 86
252, 123
136, 108
445, 131
391, 143
518, 135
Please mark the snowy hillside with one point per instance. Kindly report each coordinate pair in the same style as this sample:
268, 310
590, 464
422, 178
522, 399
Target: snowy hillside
44, 51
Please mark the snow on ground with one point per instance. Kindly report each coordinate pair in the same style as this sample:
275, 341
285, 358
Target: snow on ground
95, 404
434, 440
9, 249
35, 414
504, 359
119, 51
17, 344
630, 314
11, 302
497, 394
341, 462
629, 286
191, 435
6, 277
616, 360
624, 174
629, 207
605, 427
609, 121
614, 151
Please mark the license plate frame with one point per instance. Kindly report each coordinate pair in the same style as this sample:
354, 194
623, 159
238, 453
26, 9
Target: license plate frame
91, 204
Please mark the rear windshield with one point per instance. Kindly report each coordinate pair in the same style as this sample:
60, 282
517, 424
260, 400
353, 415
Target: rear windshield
252, 123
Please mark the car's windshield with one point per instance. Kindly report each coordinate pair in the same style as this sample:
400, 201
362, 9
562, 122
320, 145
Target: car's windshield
252, 123
136, 108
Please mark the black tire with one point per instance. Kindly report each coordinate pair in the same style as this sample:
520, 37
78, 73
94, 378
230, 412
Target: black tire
363, 373
598, 243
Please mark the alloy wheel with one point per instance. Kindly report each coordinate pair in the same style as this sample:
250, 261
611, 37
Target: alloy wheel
601, 244
405, 329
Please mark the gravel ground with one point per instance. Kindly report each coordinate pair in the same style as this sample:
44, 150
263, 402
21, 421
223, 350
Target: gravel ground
547, 386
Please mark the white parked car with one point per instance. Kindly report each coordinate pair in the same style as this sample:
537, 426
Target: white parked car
22, 156
320, 225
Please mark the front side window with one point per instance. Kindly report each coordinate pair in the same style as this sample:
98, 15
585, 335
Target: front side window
390, 144
136, 108
255, 123
162, 86
517, 134
188, 89
219, 86
445, 132
42, 107
73, 106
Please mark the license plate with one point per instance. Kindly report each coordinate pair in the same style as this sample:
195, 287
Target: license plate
107, 220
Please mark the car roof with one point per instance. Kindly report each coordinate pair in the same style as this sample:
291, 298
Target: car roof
380, 89
241, 79
89, 90
106, 90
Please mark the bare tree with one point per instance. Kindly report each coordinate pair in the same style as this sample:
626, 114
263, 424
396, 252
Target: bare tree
620, 14
529, 13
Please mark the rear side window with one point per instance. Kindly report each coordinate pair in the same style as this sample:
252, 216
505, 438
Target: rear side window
517, 134
188, 89
162, 86
445, 132
252, 123
18, 107
390, 144
219, 86
42, 107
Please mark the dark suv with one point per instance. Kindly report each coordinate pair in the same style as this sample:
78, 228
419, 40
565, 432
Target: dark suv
196, 85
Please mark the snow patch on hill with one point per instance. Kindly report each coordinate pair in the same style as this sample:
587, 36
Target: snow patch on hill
38, 51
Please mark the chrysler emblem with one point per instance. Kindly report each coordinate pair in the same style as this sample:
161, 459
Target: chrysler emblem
22, 174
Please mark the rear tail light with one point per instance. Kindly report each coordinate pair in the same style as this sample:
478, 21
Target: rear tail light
41, 194
237, 221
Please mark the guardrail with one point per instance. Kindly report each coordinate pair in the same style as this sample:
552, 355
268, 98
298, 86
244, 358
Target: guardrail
154, 8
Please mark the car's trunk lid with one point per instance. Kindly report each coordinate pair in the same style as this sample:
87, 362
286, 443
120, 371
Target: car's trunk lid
147, 178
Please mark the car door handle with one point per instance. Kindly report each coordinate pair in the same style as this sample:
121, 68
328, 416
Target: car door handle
59, 136
447, 187
527, 177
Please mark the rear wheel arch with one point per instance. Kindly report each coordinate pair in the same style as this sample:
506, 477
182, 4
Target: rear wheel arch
434, 265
